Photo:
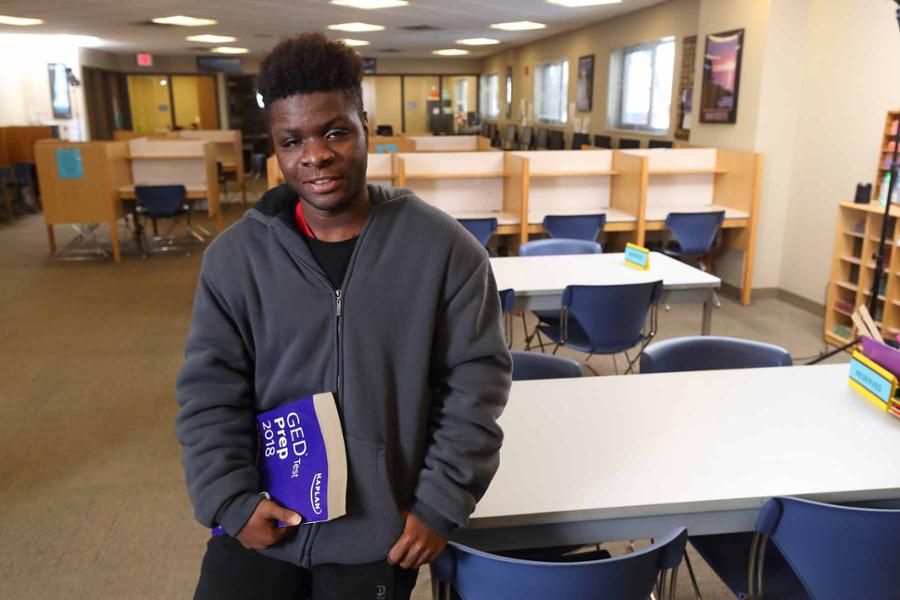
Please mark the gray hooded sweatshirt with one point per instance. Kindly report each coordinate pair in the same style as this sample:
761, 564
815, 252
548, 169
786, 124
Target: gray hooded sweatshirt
411, 346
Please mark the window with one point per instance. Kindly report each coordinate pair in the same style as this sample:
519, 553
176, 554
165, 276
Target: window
641, 86
551, 92
508, 92
489, 102
462, 96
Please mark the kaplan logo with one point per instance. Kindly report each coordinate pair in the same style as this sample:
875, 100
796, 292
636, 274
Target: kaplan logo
315, 494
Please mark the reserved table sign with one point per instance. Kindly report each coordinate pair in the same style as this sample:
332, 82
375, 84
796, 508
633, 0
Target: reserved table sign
637, 256
872, 381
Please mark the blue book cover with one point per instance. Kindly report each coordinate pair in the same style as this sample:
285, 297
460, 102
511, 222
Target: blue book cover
301, 459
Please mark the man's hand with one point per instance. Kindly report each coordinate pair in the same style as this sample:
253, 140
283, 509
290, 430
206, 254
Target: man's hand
261, 531
418, 544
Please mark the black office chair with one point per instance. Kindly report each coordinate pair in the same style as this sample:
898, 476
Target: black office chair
602, 141
579, 140
541, 141
659, 144
223, 178
527, 138
509, 142
385, 130
556, 141
626, 143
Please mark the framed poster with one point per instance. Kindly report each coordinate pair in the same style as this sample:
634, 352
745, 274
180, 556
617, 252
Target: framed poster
584, 93
721, 77
59, 91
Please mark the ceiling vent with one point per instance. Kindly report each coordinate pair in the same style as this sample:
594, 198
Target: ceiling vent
420, 28
390, 50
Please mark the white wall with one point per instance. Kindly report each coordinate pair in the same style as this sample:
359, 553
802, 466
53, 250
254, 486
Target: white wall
26, 84
851, 79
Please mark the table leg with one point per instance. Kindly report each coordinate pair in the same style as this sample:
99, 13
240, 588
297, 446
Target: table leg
707, 314
51, 237
244, 191
114, 236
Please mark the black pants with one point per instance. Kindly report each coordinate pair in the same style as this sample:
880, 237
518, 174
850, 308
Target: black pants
231, 572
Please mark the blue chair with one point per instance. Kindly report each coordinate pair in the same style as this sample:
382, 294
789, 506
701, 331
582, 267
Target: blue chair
707, 353
477, 575
482, 229
507, 302
693, 233
552, 247
5, 175
533, 365
606, 319
575, 227
817, 550
24, 185
158, 202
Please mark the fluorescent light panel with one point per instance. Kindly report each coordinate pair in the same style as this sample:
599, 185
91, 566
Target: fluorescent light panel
371, 4
209, 38
580, 3
478, 42
352, 42
355, 27
230, 50
451, 52
518, 26
19, 21
184, 21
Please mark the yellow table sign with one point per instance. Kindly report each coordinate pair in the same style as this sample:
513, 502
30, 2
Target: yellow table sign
637, 256
872, 381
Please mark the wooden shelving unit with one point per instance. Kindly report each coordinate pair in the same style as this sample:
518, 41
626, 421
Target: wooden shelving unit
853, 267
884, 157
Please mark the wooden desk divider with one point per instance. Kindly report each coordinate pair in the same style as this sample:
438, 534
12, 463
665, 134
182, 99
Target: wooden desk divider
191, 163
17, 142
700, 180
451, 143
228, 151
380, 170
379, 144
463, 184
91, 198
570, 182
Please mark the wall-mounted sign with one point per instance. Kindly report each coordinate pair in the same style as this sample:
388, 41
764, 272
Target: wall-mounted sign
68, 163
59, 91
144, 59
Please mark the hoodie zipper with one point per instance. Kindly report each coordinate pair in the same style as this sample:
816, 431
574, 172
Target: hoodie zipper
338, 307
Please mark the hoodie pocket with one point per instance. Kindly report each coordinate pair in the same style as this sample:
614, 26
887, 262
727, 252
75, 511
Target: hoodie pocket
372, 523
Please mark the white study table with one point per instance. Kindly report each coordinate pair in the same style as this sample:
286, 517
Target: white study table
539, 281
634, 456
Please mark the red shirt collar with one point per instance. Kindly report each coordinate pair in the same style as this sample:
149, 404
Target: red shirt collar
302, 225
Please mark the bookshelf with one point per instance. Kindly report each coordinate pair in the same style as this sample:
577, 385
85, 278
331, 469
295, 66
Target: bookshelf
856, 242
887, 150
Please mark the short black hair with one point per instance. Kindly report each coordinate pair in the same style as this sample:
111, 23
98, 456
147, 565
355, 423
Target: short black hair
307, 63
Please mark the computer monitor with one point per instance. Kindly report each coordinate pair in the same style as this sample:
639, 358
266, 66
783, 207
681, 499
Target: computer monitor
579, 140
385, 130
602, 141
525, 141
556, 141
629, 143
659, 144
541, 142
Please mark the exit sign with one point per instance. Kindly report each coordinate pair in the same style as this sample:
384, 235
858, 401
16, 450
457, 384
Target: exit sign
144, 59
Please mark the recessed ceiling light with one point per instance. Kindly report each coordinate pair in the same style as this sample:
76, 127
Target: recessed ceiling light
518, 26
19, 21
355, 27
371, 4
208, 38
451, 52
478, 42
230, 50
184, 21
578, 3
351, 42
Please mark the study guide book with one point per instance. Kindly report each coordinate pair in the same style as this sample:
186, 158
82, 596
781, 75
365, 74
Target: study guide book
301, 459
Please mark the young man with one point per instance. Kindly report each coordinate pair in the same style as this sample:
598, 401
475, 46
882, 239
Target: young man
328, 284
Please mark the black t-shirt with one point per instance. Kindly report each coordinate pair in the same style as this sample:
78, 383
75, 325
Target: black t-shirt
333, 257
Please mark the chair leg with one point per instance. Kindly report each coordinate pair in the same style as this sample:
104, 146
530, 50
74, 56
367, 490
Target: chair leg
554, 349
690, 569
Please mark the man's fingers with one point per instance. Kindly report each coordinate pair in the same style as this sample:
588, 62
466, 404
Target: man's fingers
399, 550
289, 516
274, 511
